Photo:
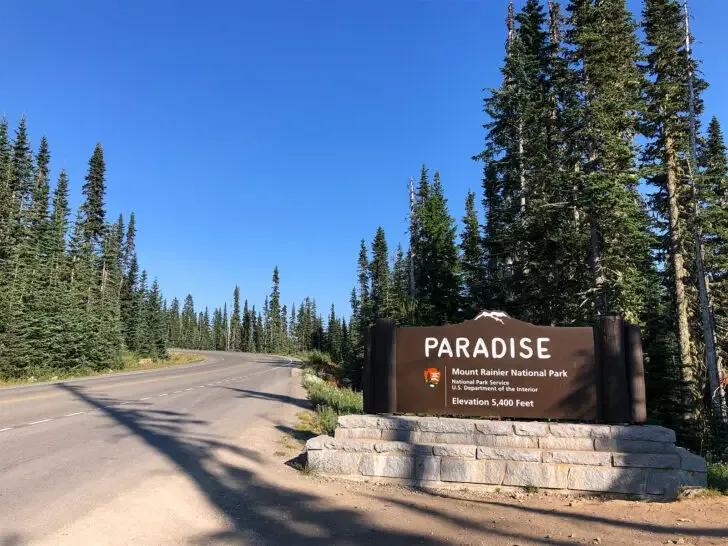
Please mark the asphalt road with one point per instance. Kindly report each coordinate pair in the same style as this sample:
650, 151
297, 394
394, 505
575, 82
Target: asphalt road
68, 447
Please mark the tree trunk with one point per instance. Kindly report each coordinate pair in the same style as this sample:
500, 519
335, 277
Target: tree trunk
687, 368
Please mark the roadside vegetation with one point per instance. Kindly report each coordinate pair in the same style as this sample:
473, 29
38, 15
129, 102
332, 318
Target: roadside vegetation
330, 399
130, 363
718, 478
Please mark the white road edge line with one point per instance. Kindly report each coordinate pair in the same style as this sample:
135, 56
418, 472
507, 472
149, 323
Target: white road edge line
39, 422
4, 429
72, 414
165, 394
145, 398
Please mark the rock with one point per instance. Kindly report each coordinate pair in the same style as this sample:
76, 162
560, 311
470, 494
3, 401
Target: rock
455, 450
651, 433
496, 428
510, 454
334, 462
567, 444
397, 423
357, 433
358, 421
568, 430
401, 466
507, 441
608, 480
633, 446
472, 471
531, 429
578, 457
458, 426
441, 438
536, 475
646, 460
690, 461
320, 442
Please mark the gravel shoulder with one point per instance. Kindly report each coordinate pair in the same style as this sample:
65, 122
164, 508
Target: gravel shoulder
242, 491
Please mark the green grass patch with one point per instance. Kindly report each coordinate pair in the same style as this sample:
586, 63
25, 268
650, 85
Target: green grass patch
130, 362
718, 477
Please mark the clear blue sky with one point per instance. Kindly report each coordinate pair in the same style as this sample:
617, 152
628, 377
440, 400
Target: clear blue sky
246, 134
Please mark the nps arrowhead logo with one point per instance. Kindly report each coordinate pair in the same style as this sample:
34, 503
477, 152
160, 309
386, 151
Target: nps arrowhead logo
432, 377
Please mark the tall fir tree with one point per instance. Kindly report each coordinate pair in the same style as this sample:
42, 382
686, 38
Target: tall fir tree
473, 260
235, 325
667, 125
273, 323
380, 303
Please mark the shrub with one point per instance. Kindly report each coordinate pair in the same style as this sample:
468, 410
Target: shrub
326, 420
718, 477
342, 401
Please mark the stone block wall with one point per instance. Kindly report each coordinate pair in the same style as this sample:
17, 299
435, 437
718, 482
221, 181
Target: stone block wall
637, 460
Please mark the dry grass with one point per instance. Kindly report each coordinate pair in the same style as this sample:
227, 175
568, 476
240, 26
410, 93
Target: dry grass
130, 363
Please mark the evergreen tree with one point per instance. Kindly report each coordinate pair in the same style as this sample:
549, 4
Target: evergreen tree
333, 344
399, 286
273, 316
157, 322
666, 123
189, 325
604, 58
246, 335
174, 324
379, 277
473, 261
259, 333
144, 341
235, 325
93, 213
437, 278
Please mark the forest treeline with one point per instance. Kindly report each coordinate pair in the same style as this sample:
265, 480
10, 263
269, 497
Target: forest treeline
599, 180
72, 296
274, 329
74, 300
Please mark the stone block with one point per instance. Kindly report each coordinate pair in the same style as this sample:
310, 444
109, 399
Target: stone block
566, 444
531, 429
355, 446
402, 447
334, 462
507, 441
646, 460
440, 438
358, 421
690, 461
495, 428
454, 450
401, 466
398, 435
649, 433
569, 430
320, 442
595, 458
357, 433
550, 476
663, 482
693, 479
472, 471
397, 423
509, 454
633, 446
451, 426
608, 480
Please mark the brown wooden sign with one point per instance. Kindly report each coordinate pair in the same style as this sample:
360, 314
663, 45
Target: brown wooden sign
496, 366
